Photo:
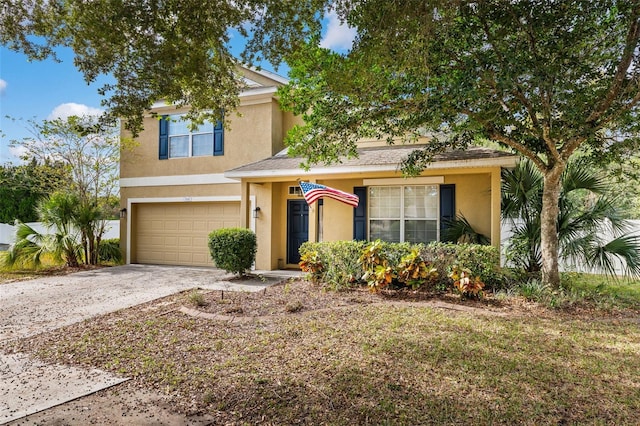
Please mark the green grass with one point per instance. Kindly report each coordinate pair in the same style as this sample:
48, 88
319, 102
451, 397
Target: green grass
10, 274
600, 289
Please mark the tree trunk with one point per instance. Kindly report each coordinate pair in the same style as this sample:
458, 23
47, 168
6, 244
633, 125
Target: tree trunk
549, 225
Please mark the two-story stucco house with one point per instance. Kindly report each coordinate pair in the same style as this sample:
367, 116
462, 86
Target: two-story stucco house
179, 185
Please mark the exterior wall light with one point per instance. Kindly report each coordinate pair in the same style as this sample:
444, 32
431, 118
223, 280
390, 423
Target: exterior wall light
256, 212
123, 213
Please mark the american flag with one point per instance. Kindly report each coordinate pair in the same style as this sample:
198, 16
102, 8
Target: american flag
313, 191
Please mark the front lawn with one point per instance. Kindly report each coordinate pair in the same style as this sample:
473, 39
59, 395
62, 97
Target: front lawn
604, 291
294, 354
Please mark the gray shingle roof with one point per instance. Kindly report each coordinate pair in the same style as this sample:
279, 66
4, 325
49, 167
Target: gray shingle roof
373, 159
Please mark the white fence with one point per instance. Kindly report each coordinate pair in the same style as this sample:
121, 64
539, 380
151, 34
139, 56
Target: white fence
7, 232
7, 236
634, 229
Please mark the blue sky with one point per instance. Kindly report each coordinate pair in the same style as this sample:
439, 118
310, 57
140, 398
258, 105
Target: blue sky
42, 90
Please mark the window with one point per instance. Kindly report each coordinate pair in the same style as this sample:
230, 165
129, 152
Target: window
403, 213
178, 141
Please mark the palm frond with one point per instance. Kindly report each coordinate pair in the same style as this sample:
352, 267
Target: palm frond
587, 211
579, 175
459, 230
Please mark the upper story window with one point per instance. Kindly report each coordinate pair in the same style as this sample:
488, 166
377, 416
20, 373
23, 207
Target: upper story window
178, 141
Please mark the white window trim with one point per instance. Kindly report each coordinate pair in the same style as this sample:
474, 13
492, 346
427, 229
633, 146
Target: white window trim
131, 201
402, 217
190, 145
172, 118
425, 180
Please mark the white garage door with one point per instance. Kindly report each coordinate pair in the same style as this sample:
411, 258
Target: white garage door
177, 233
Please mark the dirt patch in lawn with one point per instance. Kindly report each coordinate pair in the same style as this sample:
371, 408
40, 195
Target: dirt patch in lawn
297, 354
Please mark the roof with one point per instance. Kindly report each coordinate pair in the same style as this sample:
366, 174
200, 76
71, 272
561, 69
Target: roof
250, 86
387, 158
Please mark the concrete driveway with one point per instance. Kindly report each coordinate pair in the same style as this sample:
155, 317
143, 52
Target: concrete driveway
31, 307
35, 306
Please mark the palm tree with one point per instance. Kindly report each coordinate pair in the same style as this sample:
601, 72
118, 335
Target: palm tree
588, 212
59, 214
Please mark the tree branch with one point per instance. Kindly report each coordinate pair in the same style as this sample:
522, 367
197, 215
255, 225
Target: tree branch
633, 102
549, 142
569, 148
627, 57
518, 147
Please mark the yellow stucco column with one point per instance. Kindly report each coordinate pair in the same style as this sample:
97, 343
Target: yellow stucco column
245, 204
495, 207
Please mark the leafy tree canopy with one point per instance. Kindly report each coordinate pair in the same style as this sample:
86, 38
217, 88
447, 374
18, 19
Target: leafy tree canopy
543, 78
172, 50
21, 187
89, 150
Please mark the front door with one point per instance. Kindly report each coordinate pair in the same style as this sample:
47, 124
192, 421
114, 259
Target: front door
297, 228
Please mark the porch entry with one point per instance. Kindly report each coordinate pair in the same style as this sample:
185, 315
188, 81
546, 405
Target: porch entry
297, 228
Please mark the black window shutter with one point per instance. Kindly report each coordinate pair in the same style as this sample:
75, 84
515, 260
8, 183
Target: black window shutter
218, 139
163, 150
447, 205
360, 214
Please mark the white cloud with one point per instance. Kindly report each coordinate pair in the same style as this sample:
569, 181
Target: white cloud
339, 36
67, 110
3, 86
17, 151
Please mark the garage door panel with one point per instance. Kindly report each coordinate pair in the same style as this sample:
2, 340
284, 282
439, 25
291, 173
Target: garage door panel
200, 258
177, 233
231, 211
185, 242
200, 225
185, 225
171, 225
200, 241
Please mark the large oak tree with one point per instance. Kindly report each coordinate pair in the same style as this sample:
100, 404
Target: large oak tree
544, 78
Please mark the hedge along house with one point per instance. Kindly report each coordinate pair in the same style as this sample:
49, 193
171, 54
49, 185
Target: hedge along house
391, 208
179, 185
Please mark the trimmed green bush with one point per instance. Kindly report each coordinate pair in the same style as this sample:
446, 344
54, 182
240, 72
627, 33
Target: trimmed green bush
335, 264
109, 250
233, 249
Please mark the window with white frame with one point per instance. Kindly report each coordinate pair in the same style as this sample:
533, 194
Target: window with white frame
404, 213
204, 140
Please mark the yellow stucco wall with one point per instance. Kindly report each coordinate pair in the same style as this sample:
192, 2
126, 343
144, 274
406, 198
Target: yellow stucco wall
253, 136
473, 200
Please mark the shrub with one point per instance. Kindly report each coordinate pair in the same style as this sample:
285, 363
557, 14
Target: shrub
482, 261
196, 298
465, 283
343, 264
395, 264
310, 262
233, 249
335, 264
414, 271
109, 250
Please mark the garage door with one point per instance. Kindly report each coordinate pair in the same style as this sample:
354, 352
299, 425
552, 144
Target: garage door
176, 233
